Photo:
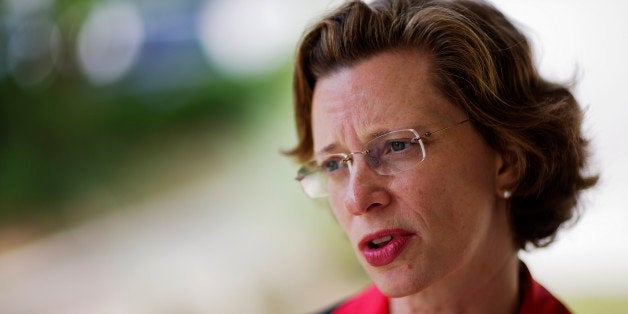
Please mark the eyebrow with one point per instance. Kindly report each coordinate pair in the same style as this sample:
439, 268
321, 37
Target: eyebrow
329, 148
326, 149
377, 133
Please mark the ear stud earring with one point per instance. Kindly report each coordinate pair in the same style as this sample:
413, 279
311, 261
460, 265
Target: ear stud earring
507, 194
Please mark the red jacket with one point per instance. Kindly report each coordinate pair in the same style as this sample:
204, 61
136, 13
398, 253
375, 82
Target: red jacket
536, 300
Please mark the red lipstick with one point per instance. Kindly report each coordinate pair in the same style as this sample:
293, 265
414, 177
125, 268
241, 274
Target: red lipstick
382, 247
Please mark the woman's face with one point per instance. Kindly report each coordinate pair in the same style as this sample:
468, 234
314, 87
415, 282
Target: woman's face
435, 222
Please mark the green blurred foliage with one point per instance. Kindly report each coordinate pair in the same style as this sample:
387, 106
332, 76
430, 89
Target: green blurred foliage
56, 141
63, 136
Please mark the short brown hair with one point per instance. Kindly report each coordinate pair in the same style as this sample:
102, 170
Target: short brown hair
482, 64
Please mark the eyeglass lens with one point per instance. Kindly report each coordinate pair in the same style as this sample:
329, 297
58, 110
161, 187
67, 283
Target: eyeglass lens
388, 154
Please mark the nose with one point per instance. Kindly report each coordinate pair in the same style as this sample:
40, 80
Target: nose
366, 190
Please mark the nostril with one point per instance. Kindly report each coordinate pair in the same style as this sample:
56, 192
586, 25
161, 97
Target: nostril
375, 205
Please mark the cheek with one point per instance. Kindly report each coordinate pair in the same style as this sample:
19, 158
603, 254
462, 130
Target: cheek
342, 215
421, 199
447, 199
464, 173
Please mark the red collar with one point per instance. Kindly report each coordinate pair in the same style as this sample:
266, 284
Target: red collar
536, 299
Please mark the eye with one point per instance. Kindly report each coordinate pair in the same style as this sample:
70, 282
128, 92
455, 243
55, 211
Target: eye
397, 146
332, 165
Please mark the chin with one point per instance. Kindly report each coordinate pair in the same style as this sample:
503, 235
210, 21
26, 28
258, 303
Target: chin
399, 281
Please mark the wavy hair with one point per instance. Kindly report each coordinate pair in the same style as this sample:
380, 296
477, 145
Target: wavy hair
482, 63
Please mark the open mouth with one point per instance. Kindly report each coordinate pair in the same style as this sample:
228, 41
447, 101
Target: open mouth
380, 242
382, 248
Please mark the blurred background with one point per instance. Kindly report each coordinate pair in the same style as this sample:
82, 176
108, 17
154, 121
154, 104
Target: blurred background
141, 167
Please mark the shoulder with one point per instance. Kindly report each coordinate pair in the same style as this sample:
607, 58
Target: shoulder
368, 301
536, 299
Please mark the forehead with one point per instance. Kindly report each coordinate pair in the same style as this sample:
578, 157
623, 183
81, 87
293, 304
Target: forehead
389, 91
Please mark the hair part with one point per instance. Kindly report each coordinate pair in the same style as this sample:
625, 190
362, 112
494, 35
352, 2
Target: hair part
482, 64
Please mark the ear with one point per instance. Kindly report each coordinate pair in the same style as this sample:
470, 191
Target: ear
507, 173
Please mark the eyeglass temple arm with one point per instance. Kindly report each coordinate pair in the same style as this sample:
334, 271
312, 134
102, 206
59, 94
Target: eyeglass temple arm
429, 133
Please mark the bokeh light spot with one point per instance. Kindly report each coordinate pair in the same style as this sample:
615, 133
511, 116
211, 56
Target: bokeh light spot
245, 37
110, 41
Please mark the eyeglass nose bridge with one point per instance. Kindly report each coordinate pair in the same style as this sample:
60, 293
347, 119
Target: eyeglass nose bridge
372, 161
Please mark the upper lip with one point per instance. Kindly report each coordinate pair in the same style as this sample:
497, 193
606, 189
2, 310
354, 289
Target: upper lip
364, 243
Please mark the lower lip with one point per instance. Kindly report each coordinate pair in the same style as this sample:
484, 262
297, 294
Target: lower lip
388, 253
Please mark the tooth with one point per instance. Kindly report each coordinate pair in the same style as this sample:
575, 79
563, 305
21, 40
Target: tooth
382, 240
